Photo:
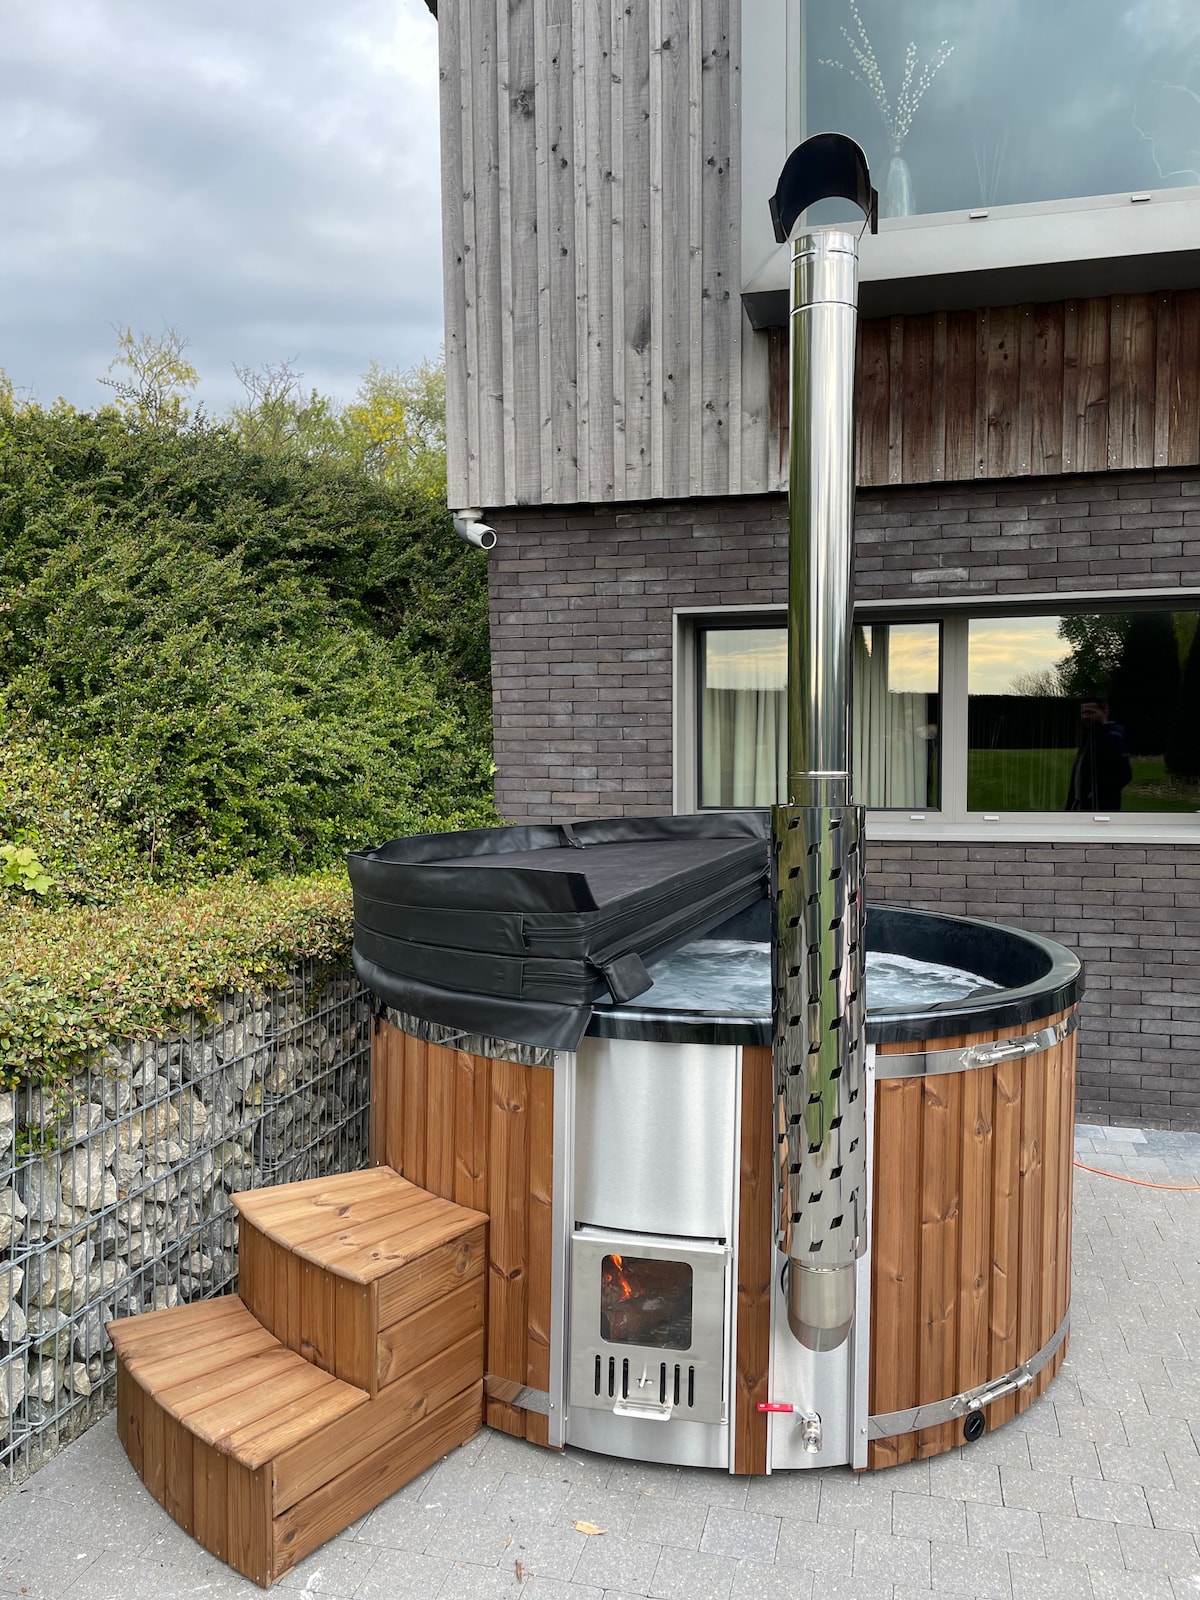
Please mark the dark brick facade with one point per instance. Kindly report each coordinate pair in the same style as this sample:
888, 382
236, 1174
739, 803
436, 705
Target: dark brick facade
582, 604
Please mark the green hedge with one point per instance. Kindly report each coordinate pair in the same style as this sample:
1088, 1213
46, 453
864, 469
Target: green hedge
76, 977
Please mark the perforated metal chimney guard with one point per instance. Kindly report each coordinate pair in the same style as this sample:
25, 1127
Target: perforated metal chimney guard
818, 948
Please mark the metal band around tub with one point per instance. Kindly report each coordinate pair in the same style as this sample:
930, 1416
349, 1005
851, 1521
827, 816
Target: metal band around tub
927, 1063
890, 1423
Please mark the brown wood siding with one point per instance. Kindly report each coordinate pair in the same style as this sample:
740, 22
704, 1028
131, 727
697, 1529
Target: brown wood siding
1021, 391
756, 1259
970, 1269
481, 1133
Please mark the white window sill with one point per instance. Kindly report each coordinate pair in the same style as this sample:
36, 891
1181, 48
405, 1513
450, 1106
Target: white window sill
910, 828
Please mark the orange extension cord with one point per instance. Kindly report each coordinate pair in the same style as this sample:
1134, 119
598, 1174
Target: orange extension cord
1142, 1183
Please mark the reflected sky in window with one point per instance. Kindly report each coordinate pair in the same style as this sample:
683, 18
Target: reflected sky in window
1006, 650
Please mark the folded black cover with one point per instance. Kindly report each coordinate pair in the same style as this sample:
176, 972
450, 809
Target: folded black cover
516, 932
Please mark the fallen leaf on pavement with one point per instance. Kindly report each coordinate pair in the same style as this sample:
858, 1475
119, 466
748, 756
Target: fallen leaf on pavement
588, 1527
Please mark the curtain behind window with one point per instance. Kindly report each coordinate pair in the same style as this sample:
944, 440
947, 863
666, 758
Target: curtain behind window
743, 717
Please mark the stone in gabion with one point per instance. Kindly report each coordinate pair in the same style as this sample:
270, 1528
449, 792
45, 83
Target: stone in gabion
12, 1217
86, 1183
88, 1335
12, 1390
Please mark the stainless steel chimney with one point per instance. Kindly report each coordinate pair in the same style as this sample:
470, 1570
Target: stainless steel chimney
818, 947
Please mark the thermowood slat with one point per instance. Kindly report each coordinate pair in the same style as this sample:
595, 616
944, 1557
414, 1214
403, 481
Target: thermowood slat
317, 1329
873, 397
248, 1523
540, 1190
377, 1115
439, 1272
169, 1370
306, 1526
471, 1124
178, 1487
917, 400
1094, 386
1006, 1228
210, 1489
975, 1230
355, 1324
1183, 394
895, 1258
152, 1328
412, 1341
718, 292
1045, 386
756, 1259
129, 1415
154, 1464
1023, 434
1051, 1176
1001, 390
1033, 1123
639, 201
560, 407
439, 1130
306, 1466
508, 1264
961, 341
940, 1175
412, 1164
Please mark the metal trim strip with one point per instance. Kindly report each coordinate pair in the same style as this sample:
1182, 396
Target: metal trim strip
516, 1394
928, 1063
890, 1423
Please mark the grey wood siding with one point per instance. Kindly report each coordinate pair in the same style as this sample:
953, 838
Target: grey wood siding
596, 347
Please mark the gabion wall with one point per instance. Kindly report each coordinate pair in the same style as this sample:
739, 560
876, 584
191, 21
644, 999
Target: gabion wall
114, 1199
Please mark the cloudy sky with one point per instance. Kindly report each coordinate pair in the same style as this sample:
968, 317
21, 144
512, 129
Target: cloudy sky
260, 174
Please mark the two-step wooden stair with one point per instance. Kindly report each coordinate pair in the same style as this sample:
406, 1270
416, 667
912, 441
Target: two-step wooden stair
349, 1361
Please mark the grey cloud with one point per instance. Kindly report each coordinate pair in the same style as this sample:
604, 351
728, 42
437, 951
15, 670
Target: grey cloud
263, 175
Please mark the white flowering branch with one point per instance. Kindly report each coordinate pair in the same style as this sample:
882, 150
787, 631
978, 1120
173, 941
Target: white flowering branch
897, 119
1152, 139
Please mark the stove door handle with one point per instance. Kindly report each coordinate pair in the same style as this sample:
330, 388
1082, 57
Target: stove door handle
643, 1410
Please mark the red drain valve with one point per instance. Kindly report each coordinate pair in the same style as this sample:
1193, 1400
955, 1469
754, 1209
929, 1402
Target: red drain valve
775, 1405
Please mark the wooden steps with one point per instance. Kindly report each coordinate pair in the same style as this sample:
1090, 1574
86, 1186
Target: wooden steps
350, 1360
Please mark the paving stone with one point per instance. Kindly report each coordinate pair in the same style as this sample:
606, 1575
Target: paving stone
1171, 1508
1111, 1502
1071, 1538
1098, 1424
1035, 1578
586, 1470
1160, 1550
884, 1556
1037, 1491
529, 1499
337, 1569
1149, 1468
862, 1502
401, 1524
965, 1480
614, 1561
929, 1517
744, 1535
1118, 1583
660, 1520
1041, 1417
1003, 1447
754, 1582
554, 1589
1075, 1457
816, 1547
692, 1575
794, 1495
478, 1537
466, 1582
645, 1477
612, 1512
1004, 1528
546, 1551
712, 1488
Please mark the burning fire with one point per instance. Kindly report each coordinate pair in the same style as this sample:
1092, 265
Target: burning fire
620, 1278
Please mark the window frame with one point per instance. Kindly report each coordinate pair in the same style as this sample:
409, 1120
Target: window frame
952, 821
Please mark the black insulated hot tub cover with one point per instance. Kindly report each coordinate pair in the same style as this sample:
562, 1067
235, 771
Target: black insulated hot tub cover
515, 932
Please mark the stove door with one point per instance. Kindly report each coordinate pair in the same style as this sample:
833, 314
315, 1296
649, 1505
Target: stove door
648, 1326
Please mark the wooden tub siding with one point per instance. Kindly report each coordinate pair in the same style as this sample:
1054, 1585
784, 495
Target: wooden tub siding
970, 1271
481, 1133
756, 1259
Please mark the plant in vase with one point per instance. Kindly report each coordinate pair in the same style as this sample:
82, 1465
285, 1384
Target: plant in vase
897, 117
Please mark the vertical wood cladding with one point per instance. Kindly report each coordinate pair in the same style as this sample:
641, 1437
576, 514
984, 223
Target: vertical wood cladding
971, 1256
1021, 391
481, 1133
595, 337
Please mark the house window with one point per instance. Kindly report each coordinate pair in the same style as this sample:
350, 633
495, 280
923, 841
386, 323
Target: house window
963, 106
1066, 716
742, 706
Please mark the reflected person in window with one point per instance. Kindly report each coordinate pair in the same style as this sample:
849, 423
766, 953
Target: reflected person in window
1102, 767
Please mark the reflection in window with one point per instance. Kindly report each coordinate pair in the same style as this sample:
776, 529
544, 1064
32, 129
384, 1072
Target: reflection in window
743, 715
896, 715
1088, 713
962, 105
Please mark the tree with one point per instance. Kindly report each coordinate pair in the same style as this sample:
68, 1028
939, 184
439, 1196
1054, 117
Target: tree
1144, 689
159, 377
279, 419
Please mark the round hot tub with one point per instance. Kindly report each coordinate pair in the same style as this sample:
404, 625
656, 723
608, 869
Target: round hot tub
973, 1066
638, 1171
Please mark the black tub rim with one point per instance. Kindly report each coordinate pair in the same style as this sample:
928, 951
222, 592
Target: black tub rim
1044, 978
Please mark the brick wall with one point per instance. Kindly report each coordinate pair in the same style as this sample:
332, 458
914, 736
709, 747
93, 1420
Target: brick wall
581, 619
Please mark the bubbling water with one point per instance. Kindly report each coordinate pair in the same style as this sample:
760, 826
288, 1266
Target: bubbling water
733, 977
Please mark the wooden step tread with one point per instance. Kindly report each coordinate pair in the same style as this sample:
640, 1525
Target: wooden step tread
356, 1225
229, 1382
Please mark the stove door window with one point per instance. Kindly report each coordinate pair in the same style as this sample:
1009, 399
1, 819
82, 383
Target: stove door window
646, 1302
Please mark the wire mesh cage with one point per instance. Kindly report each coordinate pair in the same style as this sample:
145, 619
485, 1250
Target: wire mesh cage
115, 1193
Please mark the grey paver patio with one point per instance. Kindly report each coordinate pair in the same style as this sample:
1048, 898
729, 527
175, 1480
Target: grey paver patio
1092, 1495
